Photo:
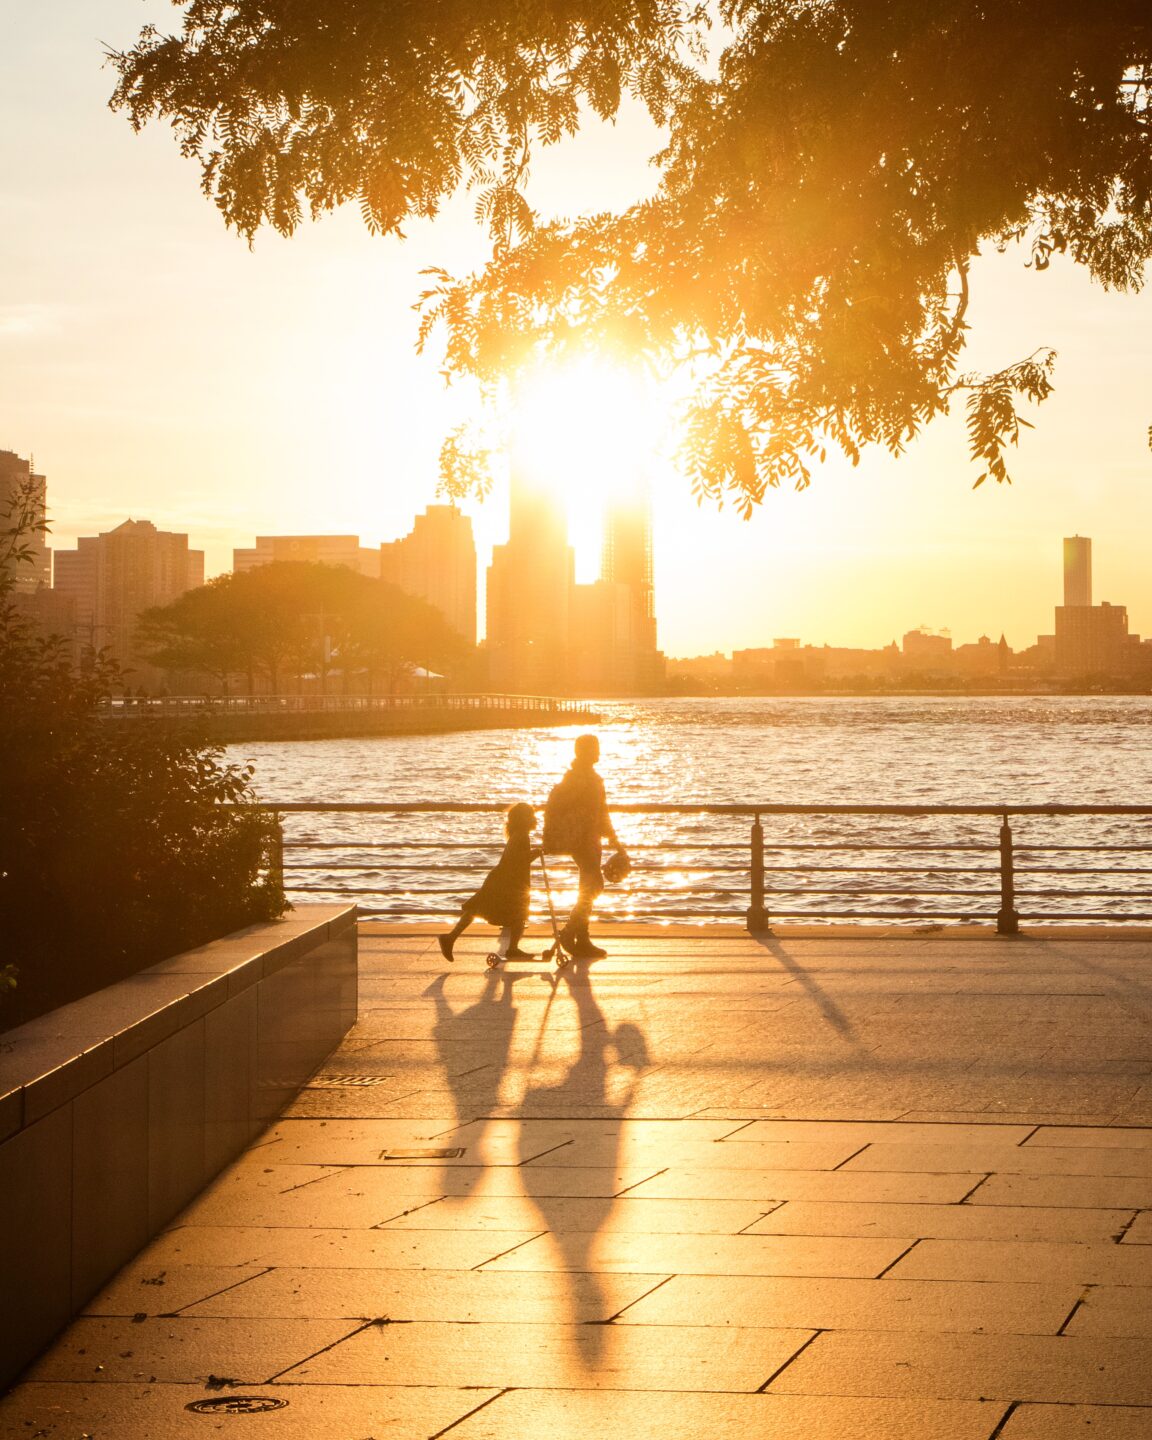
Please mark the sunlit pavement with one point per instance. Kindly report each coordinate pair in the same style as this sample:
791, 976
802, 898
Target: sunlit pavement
708, 1187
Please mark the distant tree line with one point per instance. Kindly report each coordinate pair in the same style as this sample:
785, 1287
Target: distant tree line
273, 626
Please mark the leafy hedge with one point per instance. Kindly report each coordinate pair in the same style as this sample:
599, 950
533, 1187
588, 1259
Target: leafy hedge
121, 842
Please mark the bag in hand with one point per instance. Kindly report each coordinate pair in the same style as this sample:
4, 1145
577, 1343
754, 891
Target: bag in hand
617, 867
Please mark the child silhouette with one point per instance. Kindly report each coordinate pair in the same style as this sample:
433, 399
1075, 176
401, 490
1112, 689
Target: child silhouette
503, 898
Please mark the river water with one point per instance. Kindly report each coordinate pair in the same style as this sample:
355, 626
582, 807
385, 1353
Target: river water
840, 750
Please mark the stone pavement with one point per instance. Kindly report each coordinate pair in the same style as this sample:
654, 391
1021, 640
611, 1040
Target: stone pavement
802, 1189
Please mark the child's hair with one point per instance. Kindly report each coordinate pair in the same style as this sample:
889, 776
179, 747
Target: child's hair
520, 819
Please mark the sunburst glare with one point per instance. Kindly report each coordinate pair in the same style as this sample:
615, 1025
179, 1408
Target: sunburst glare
591, 430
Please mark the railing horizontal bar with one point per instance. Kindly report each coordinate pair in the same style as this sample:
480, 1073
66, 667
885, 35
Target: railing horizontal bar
880, 870
1041, 849
1082, 870
1113, 916
1069, 893
733, 847
410, 807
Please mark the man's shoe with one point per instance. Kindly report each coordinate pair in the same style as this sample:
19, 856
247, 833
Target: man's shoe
519, 954
567, 939
445, 943
585, 950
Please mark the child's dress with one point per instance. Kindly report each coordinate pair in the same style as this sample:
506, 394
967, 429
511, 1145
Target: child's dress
503, 897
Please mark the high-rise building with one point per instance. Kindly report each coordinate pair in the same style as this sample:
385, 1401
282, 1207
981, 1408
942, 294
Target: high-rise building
114, 576
1091, 640
1094, 640
548, 634
318, 549
1077, 570
635, 664
437, 563
530, 584
17, 482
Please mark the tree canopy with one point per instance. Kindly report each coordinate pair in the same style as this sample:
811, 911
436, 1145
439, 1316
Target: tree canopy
296, 617
831, 170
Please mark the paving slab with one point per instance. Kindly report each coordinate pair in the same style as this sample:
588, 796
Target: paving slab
943, 1222
1006, 1159
635, 1254
566, 1357
586, 1215
1083, 1264
672, 1183
1105, 1136
616, 1415
1089, 1192
1078, 1422
902, 1186
184, 1351
465, 1296
1059, 1369
159, 1412
888, 1304
276, 1245
1122, 1310
149, 1289
1140, 1231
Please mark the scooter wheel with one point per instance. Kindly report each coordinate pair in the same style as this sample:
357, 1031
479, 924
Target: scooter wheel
491, 961
561, 960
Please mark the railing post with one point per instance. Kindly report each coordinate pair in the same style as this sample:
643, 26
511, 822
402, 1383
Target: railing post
278, 849
757, 918
1007, 920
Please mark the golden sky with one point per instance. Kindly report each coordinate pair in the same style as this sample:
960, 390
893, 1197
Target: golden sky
158, 369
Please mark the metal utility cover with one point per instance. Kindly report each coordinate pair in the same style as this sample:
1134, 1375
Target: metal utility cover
422, 1154
236, 1405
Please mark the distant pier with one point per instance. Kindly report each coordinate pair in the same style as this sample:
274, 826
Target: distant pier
231, 718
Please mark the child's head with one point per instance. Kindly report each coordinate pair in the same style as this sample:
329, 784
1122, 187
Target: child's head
521, 818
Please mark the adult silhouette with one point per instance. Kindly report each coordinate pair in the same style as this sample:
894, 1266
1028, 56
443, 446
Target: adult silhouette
576, 822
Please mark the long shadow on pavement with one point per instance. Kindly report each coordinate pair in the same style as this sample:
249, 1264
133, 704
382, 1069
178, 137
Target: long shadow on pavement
486, 1024
587, 1088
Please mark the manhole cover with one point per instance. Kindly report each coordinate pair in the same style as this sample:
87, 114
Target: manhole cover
236, 1405
422, 1154
345, 1082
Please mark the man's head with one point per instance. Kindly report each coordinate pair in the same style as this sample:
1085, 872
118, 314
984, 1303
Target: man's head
587, 749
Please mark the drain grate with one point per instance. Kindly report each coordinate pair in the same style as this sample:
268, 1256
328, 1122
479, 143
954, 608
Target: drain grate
236, 1405
345, 1082
422, 1154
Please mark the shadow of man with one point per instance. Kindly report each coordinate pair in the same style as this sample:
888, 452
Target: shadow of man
472, 1046
601, 1082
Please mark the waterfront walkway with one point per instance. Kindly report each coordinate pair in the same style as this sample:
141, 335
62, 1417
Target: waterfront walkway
802, 1189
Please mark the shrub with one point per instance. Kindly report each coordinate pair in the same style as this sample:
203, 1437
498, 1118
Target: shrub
121, 842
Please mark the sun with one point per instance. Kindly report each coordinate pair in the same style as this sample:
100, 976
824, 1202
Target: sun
591, 430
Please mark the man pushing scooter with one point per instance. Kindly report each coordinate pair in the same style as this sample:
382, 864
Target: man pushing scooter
576, 821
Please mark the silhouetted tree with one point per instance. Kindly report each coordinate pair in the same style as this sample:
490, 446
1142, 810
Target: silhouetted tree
296, 618
831, 169
202, 631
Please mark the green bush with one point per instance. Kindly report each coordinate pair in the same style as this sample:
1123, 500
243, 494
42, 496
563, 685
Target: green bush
121, 842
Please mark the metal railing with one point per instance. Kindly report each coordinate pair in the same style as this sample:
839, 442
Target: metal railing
132, 707
821, 863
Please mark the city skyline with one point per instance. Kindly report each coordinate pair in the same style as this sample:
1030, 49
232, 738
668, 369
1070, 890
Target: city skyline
625, 548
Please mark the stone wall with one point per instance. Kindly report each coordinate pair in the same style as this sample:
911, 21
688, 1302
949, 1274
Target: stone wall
117, 1109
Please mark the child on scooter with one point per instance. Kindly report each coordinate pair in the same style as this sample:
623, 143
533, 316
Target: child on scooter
503, 898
